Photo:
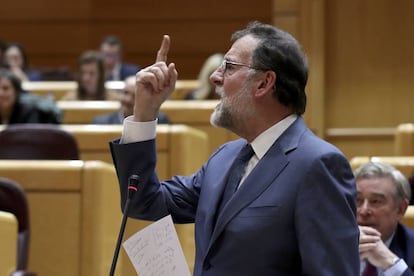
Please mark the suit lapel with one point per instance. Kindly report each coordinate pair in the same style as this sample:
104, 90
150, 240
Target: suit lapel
251, 188
272, 163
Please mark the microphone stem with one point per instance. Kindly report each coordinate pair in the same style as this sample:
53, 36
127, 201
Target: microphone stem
120, 236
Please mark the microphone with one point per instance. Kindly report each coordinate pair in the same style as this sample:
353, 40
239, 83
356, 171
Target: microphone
132, 188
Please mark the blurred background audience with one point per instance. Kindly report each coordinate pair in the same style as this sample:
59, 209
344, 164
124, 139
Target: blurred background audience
90, 79
206, 89
16, 60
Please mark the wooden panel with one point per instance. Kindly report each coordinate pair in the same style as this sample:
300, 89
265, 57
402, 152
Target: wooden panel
179, 10
404, 140
369, 65
32, 178
8, 241
57, 35
362, 141
59, 214
311, 22
44, 10
285, 6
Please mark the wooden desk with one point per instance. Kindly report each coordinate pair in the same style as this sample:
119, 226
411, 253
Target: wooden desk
195, 114
82, 112
56, 89
8, 243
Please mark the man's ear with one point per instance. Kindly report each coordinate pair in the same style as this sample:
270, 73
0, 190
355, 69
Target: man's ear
266, 83
402, 208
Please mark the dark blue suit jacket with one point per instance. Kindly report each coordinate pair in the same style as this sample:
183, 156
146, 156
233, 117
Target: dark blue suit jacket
295, 214
403, 246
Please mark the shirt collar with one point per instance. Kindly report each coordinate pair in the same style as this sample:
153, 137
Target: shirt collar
265, 140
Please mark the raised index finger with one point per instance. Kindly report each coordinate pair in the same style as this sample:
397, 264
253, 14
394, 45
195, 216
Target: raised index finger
163, 51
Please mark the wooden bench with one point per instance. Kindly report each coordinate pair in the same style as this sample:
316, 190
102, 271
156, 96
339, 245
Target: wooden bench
195, 114
404, 140
56, 89
8, 243
93, 144
351, 141
75, 206
362, 141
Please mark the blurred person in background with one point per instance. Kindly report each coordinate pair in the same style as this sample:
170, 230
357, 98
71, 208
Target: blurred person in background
206, 90
18, 106
386, 246
115, 68
90, 80
16, 60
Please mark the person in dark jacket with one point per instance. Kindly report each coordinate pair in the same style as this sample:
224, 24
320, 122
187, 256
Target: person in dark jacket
386, 246
18, 106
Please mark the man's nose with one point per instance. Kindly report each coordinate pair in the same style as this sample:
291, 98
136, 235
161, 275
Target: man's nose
364, 207
216, 77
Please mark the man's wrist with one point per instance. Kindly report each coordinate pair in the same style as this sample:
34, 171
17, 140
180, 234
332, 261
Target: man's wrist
392, 261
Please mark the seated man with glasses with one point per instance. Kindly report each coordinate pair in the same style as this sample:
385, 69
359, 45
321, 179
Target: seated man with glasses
278, 201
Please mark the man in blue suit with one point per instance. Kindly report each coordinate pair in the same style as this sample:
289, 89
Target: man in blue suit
386, 246
294, 211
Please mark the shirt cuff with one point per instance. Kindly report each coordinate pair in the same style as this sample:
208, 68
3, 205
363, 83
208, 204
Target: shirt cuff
138, 131
396, 269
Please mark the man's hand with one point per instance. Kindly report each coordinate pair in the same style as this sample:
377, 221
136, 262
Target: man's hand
373, 249
154, 85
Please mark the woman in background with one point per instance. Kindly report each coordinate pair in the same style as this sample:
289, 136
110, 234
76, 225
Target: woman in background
90, 79
18, 107
206, 89
16, 60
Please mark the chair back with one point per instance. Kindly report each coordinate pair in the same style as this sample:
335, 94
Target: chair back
13, 200
37, 141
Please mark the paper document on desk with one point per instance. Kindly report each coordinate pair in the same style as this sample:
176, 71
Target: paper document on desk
156, 250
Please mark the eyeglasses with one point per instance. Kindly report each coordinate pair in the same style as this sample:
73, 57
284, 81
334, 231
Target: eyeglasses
226, 64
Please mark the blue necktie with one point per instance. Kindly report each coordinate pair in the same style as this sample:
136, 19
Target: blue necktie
236, 173
370, 270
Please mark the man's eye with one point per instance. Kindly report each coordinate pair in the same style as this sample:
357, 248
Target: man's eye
229, 66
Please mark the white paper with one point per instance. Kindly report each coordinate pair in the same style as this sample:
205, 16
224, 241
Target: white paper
156, 250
